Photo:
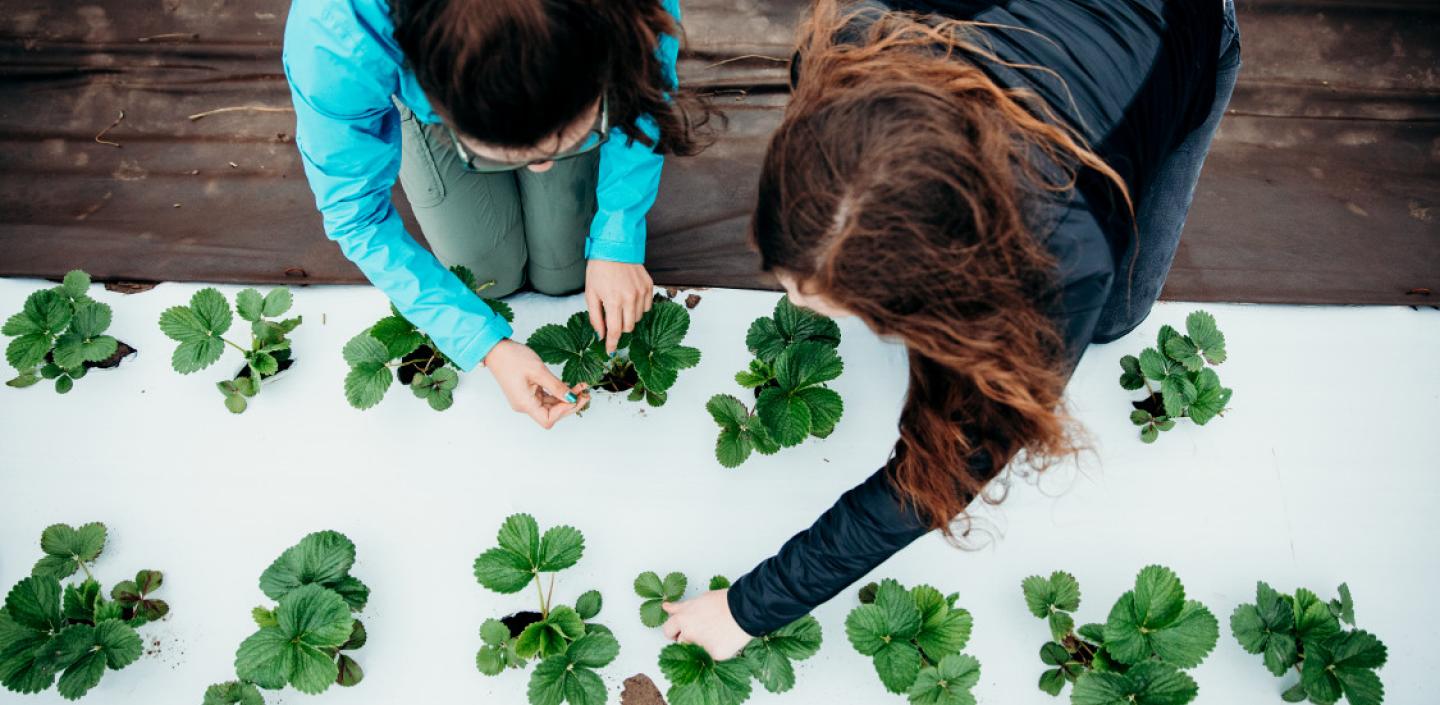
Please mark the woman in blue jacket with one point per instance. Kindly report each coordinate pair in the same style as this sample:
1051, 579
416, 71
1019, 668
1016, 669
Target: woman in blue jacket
527, 135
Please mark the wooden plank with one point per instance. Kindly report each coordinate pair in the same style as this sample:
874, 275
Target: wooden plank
1322, 187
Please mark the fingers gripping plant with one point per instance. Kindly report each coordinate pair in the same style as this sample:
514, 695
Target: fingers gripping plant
1303, 633
394, 347
652, 359
72, 631
698, 679
303, 640
795, 356
1136, 656
60, 335
200, 326
915, 638
1187, 388
570, 648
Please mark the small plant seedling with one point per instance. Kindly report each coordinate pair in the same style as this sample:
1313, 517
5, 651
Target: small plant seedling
1137, 655
200, 327
569, 646
302, 641
914, 637
795, 357
649, 365
394, 347
1303, 633
1187, 387
60, 335
698, 679
71, 630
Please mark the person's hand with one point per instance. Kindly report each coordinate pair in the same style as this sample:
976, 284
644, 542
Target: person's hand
530, 386
705, 621
617, 295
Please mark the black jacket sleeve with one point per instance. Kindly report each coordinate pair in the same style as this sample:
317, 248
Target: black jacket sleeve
866, 526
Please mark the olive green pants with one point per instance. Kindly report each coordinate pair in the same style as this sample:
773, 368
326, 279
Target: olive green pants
510, 227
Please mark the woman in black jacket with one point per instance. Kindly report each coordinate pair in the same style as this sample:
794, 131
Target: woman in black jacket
997, 185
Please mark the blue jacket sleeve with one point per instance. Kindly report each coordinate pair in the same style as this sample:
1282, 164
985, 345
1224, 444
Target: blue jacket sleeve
630, 178
347, 131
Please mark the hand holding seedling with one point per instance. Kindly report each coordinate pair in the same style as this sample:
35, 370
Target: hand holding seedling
530, 386
705, 621
617, 295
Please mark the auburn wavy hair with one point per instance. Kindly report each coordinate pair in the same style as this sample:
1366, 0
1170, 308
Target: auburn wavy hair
514, 72
896, 187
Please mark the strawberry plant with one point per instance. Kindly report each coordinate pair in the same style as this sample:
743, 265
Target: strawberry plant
647, 361
1303, 633
914, 637
569, 647
698, 679
200, 327
395, 348
60, 335
795, 356
303, 640
1187, 388
1137, 655
71, 630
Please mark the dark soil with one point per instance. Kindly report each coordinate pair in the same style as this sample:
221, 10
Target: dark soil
640, 690
282, 357
414, 363
692, 301
1153, 404
517, 622
129, 287
622, 379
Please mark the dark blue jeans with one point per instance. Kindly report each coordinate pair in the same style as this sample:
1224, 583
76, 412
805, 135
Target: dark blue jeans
1160, 216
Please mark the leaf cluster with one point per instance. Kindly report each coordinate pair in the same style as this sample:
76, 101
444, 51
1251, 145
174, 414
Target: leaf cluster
200, 329
394, 346
795, 357
653, 353
302, 641
1137, 655
914, 638
1304, 633
50, 629
58, 333
698, 679
569, 646
1177, 364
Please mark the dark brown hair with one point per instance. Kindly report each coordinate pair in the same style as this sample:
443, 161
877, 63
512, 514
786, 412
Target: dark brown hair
514, 72
897, 187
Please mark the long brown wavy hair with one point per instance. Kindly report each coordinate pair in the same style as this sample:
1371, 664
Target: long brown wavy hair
897, 188
514, 72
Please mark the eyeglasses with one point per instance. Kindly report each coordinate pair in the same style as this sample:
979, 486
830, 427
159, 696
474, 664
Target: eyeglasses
599, 134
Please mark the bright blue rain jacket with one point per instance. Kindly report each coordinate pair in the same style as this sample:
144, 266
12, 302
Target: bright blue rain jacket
343, 66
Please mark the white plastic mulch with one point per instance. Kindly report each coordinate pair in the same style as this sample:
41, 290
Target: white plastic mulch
1325, 470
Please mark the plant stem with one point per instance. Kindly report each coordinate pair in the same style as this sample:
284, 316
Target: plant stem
550, 597
544, 611
243, 351
87, 570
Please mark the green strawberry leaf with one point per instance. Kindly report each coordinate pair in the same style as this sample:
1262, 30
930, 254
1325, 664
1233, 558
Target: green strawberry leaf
312, 622
769, 657
1155, 620
947, 683
697, 679
656, 592
1147, 683
322, 558
233, 693
1206, 336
